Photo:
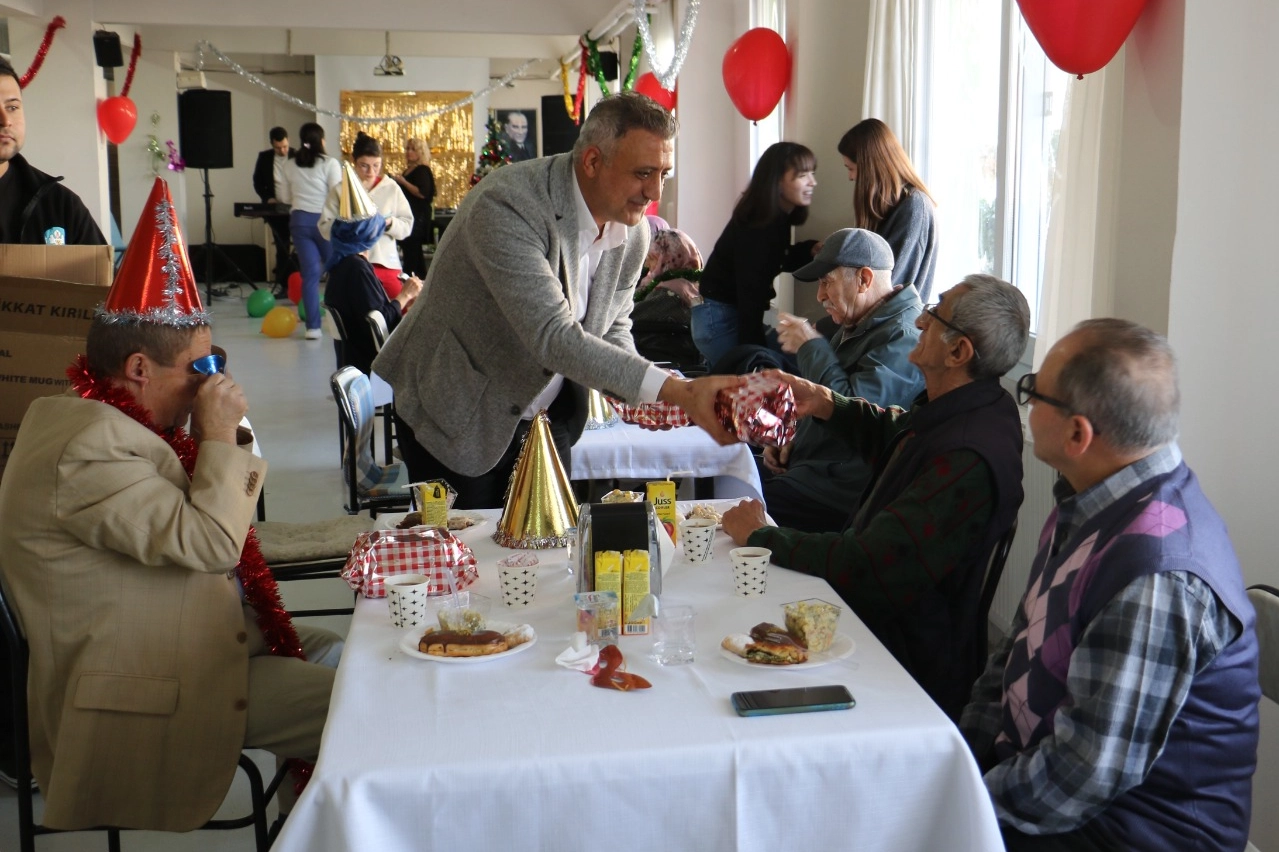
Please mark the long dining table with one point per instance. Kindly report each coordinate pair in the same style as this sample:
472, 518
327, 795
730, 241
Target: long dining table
516, 752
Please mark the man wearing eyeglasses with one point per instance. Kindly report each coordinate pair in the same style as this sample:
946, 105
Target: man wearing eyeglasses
946, 487
1121, 711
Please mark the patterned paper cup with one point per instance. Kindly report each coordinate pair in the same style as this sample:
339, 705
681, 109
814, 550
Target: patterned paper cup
519, 586
750, 570
697, 536
406, 599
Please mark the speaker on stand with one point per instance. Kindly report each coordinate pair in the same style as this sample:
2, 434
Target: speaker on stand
204, 135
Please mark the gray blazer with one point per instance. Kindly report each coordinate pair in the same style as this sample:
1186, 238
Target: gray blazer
495, 318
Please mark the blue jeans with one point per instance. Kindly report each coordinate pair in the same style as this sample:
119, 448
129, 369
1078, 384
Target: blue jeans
313, 253
714, 329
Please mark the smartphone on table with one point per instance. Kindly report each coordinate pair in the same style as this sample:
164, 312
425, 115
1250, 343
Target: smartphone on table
802, 699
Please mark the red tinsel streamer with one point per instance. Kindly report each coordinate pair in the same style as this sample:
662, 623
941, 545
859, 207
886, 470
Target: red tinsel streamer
133, 65
260, 588
56, 24
581, 85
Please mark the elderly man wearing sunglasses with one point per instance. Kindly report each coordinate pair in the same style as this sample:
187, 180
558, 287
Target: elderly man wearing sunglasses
945, 487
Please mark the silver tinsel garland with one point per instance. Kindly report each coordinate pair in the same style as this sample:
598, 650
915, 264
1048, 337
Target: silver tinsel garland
667, 77
202, 46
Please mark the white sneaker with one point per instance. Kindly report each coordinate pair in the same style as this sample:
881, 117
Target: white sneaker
314, 334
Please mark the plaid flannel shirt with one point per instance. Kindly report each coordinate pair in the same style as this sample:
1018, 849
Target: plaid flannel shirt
1129, 677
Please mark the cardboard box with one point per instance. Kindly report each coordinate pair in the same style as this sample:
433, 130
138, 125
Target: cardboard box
79, 264
43, 324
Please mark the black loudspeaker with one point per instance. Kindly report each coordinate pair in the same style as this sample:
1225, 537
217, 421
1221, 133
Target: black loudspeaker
608, 64
204, 128
558, 130
106, 49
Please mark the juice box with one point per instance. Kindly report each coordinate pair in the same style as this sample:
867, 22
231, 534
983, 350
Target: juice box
433, 503
635, 585
662, 495
608, 572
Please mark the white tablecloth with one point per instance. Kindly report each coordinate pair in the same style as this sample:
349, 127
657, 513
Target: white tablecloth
625, 451
518, 753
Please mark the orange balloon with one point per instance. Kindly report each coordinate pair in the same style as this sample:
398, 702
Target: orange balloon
279, 322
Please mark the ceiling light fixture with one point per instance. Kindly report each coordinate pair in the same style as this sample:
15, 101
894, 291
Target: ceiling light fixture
390, 66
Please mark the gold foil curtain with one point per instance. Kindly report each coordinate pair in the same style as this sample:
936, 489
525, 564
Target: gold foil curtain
451, 135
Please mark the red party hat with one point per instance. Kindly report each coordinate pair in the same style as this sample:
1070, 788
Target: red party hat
154, 282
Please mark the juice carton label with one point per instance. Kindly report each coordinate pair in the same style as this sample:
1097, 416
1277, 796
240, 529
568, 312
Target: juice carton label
635, 585
662, 496
432, 501
608, 572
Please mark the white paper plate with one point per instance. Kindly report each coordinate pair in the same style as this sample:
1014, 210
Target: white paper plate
408, 644
842, 647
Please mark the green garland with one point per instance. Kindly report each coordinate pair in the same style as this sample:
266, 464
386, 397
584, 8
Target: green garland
694, 275
596, 69
629, 83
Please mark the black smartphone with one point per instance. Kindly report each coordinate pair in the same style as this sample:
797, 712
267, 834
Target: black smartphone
803, 699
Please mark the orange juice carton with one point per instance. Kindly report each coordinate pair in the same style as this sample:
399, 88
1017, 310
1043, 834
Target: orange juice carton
636, 584
662, 495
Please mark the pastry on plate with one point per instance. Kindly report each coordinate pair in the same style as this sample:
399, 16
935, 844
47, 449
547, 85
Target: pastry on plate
449, 643
772, 645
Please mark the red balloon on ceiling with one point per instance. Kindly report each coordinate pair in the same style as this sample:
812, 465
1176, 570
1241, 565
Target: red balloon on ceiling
757, 72
1081, 36
647, 84
117, 117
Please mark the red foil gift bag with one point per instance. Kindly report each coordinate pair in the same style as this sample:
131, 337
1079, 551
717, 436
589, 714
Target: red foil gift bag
761, 412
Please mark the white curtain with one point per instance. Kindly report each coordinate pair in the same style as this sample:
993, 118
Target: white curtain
890, 92
1078, 280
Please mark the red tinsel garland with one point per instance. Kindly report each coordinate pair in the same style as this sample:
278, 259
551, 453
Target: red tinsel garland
133, 65
260, 589
581, 85
56, 24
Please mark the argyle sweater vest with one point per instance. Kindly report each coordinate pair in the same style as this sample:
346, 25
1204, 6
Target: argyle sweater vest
1198, 792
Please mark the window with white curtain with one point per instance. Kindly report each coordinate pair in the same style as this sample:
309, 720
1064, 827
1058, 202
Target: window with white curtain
767, 131
992, 113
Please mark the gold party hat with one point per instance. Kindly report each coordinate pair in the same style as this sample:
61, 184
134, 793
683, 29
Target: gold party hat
353, 201
540, 507
599, 413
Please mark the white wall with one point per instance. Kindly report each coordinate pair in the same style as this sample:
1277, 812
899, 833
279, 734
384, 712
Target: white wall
1221, 315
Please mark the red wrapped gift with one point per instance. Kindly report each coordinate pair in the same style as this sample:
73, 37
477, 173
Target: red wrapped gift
760, 412
417, 550
652, 415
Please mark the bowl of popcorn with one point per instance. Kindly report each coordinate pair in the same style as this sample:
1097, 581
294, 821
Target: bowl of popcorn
812, 623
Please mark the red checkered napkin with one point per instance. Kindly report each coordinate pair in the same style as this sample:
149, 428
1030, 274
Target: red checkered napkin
760, 412
417, 550
652, 415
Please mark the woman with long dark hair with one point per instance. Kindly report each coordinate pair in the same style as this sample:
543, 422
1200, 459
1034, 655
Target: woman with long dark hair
737, 283
890, 198
308, 179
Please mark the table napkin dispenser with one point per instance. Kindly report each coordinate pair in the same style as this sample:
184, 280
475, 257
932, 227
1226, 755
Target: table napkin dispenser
619, 527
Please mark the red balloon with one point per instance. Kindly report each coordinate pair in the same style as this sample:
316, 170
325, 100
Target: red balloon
757, 72
295, 287
647, 84
117, 117
1081, 36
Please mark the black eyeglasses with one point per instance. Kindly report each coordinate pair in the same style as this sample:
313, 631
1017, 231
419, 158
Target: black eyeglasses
1026, 392
931, 310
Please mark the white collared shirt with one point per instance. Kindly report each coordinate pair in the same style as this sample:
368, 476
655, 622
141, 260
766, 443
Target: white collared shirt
591, 245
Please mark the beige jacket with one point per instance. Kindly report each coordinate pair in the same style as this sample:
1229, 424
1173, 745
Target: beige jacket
122, 573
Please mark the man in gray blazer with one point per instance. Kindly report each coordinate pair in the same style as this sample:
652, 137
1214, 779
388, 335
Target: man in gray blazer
528, 301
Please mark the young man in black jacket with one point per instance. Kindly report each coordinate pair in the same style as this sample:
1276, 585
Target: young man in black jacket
264, 174
34, 207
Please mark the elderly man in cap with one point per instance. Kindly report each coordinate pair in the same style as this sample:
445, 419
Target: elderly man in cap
159, 646
813, 482
946, 487
1121, 712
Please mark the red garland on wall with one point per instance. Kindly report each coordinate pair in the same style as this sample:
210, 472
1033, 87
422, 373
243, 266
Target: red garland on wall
56, 24
133, 65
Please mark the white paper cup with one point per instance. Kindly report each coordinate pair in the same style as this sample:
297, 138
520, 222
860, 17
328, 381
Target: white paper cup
519, 585
750, 570
406, 599
697, 536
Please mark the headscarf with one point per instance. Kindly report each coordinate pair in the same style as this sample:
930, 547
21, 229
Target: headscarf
671, 250
656, 224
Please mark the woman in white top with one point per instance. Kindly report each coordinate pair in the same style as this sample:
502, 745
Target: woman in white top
308, 179
366, 153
